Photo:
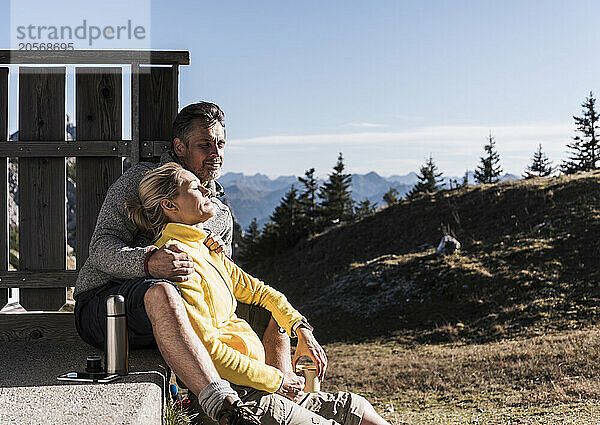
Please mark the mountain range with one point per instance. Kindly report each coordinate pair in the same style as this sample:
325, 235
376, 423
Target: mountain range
256, 196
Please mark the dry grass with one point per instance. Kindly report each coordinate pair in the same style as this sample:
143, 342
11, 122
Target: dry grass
545, 379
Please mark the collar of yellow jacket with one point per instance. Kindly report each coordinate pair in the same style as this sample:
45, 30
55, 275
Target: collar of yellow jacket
183, 233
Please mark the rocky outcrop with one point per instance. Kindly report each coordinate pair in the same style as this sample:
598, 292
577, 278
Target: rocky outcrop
448, 245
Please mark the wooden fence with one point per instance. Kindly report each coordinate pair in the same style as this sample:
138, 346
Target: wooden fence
98, 148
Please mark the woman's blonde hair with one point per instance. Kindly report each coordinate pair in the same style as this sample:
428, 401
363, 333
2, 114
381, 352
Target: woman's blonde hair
162, 183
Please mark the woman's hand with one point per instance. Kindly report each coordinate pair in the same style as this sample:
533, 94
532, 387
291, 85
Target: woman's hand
308, 346
292, 387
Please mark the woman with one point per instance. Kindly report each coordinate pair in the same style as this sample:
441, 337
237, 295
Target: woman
173, 205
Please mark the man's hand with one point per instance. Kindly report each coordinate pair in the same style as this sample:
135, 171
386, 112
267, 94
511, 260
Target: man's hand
171, 263
292, 387
215, 244
308, 346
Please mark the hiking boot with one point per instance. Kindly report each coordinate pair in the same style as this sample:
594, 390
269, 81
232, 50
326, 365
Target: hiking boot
239, 413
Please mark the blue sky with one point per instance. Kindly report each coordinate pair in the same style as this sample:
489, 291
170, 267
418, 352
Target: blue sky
385, 82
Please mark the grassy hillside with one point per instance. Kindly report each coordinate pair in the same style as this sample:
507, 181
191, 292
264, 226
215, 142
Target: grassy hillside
529, 263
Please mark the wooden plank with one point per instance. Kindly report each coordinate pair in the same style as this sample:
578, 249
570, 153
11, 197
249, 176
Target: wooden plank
157, 106
135, 113
4, 194
37, 327
42, 212
38, 279
161, 146
93, 148
175, 84
79, 57
99, 109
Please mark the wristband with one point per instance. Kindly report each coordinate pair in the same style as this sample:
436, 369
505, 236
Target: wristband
301, 323
151, 251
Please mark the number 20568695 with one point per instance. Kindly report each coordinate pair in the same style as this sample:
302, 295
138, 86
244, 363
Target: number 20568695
46, 46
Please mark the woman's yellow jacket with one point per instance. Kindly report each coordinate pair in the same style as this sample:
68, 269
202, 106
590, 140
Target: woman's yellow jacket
210, 296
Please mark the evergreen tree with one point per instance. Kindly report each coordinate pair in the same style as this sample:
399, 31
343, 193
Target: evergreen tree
364, 209
540, 165
336, 197
285, 219
392, 196
585, 149
249, 244
429, 179
308, 201
268, 243
489, 171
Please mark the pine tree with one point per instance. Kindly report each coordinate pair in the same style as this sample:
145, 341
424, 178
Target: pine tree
308, 201
392, 196
249, 244
268, 243
282, 230
364, 209
286, 219
336, 197
540, 165
429, 179
489, 171
585, 149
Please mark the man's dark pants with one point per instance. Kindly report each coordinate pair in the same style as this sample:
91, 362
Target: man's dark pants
90, 313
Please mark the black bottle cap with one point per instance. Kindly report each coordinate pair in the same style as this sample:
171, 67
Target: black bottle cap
94, 364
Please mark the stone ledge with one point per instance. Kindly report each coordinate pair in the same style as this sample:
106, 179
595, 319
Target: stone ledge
31, 394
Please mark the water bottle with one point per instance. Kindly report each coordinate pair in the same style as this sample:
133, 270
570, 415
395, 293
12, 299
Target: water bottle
116, 345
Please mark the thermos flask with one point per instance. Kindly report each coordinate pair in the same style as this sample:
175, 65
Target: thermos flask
116, 345
311, 380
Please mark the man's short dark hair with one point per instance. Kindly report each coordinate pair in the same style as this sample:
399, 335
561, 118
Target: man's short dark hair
205, 114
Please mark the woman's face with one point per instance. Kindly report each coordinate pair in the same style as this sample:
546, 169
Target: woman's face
192, 205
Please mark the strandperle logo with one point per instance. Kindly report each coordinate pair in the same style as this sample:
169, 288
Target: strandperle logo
81, 32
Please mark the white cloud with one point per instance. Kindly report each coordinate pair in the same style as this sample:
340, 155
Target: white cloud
508, 137
364, 125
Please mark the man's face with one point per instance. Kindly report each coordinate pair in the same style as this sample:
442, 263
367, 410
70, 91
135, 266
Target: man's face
203, 154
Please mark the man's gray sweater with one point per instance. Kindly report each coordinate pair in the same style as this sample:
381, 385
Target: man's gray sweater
118, 248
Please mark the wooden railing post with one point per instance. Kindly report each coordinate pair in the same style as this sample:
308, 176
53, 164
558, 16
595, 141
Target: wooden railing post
157, 107
99, 106
42, 183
